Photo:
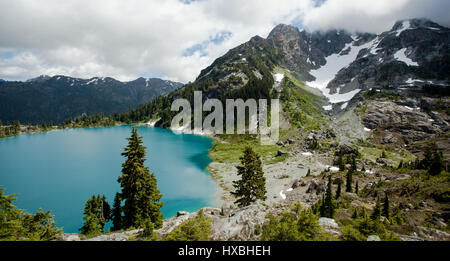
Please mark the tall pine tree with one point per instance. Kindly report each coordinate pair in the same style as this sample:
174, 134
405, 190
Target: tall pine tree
252, 185
349, 181
96, 215
117, 214
339, 188
386, 211
327, 208
376, 214
139, 188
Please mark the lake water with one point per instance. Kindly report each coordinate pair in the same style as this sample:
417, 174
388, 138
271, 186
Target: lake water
60, 170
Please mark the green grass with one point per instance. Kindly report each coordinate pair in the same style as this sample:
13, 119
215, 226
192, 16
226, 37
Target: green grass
229, 148
396, 155
301, 107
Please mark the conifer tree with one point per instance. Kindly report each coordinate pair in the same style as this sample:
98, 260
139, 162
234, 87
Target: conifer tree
327, 209
356, 188
341, 163
339, 188
252, 185
400, 165
428, 156
139, 188
106, 209
349, 181
355, 213
117, 214
386, 211
95, 215
376, 214
16, 127
353, 162
308, 173
436, 163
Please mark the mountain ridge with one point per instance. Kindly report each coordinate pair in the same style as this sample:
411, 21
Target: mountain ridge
56, 98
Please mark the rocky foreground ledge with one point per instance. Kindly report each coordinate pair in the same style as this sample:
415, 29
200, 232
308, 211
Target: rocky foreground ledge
240, 224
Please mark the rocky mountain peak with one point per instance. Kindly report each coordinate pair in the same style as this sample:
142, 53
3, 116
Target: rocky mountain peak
40, 78
415, 23
284, 30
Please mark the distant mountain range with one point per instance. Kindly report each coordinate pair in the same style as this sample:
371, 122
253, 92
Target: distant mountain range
45, 98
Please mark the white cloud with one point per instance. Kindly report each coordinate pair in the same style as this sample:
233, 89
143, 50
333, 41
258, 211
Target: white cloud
374, 16
126, 39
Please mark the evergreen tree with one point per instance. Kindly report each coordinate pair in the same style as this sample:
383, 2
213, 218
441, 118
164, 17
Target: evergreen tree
428, 156
95, 215
355, 213
363, 169
106, 209
339, 188
383, 154
436, 164
386, 211
327, 209
139, 188
349, 180
341, 163
357, 188
376, 214
353, 163
252, 185
16, 127
400, 165
116, 214
308, 173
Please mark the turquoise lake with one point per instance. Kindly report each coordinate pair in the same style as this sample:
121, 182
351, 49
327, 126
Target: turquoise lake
60, 170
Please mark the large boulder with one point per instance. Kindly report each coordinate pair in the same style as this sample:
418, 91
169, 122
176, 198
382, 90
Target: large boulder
312, 186
329, 225
346, 150
373, 238
182, 213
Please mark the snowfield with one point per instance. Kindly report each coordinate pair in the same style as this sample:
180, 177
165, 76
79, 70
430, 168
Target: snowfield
405, 26
334, 64
401, 56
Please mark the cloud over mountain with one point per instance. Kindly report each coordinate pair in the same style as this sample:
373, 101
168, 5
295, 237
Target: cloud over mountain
171, 39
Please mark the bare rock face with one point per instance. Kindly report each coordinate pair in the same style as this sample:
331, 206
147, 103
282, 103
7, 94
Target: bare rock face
238, 225
432, 233
373, 238
121, 236
69, 237
330, 225
402, 120
312, 186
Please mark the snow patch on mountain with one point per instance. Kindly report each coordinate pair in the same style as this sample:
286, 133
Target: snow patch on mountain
335, 63
405, 26
400, 55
